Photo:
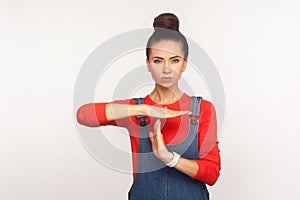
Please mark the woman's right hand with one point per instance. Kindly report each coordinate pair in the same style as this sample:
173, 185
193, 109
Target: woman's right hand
158, 112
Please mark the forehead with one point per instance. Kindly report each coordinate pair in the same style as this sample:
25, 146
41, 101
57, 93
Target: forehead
166, 48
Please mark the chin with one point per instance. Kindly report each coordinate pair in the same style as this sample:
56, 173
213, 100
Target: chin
166, 85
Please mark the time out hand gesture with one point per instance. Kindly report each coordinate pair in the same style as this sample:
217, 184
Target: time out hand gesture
158, 145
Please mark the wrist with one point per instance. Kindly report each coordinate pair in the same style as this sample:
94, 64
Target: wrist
174, 161
144, 109
141, 109
168, 157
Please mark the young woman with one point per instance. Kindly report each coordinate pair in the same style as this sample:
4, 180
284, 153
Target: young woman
173, 135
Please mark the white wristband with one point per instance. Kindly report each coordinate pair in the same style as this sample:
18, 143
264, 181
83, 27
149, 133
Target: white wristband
175, 160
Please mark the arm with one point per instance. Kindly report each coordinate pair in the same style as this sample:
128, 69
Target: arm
207, 167
108, 113
117, 113
209, 164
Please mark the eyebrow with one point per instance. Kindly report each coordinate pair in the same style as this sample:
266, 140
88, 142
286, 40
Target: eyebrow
163, 58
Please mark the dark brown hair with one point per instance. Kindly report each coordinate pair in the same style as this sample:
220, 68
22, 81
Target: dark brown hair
166, 26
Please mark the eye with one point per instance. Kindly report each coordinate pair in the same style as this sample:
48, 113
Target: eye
157, 61
175, 60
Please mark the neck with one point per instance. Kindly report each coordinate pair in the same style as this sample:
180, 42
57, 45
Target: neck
163, 95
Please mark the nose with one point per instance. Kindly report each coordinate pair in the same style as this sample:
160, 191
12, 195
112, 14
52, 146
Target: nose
167, 68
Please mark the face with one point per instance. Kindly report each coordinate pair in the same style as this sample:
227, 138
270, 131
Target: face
166, 63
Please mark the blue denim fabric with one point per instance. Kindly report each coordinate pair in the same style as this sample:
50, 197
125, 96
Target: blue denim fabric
154, 180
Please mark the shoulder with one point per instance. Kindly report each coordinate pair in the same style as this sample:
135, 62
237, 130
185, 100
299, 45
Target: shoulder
206, 105
207, 111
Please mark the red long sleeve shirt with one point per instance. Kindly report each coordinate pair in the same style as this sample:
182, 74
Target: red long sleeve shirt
173, 129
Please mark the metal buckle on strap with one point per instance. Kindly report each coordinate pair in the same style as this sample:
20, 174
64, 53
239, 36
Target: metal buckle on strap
194, 119
143, 122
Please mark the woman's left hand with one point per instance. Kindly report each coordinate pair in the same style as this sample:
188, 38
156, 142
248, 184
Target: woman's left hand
158, 145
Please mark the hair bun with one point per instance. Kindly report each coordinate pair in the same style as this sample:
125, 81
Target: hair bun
166, 20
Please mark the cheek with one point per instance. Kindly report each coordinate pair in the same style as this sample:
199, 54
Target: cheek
155, 69
154, 72
178, 69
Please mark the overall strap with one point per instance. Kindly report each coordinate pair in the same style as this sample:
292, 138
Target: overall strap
195, 108
141, 118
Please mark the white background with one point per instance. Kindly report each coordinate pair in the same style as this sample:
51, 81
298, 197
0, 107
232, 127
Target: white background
254, 45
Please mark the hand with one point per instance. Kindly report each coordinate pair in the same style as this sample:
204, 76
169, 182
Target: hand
158, 145
158, 112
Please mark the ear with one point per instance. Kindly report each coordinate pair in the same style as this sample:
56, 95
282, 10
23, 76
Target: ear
184, 65
148, 64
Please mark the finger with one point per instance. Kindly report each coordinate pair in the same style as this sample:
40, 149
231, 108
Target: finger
151, 133
176, 113
160, 138
154, 133
186, 112
161, 143
158, 125
151, 136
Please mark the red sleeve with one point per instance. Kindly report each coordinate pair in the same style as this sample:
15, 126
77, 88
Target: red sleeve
94, 115
209, 164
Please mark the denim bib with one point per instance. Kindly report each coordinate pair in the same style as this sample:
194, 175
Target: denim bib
156, 181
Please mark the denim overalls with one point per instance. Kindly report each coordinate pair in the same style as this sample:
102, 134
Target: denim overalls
154, 180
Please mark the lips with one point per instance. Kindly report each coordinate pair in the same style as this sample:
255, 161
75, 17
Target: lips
166, 78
